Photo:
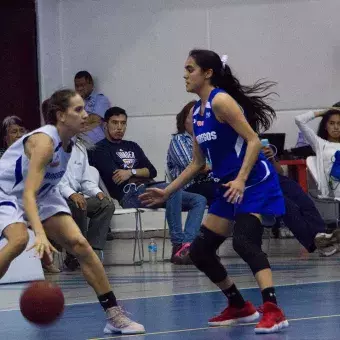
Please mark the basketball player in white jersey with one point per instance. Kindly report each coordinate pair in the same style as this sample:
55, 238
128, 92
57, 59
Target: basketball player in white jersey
30, 169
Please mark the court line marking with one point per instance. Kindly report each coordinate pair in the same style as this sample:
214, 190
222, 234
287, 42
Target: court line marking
179, 294
206, 328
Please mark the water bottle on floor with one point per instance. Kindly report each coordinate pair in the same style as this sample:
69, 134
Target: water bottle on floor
152, 251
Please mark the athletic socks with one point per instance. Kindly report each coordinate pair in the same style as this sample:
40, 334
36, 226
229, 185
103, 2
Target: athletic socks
107, 300
234, 297
268, 295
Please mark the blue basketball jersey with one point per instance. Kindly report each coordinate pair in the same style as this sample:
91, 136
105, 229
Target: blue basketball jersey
222, 145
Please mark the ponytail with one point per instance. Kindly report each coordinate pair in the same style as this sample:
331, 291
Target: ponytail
259, 114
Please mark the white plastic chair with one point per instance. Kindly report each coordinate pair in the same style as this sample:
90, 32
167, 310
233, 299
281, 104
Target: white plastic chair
138, 240
328, 207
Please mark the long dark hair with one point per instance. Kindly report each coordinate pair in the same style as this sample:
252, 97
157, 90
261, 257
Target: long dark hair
182, 116
322, 131
251, 98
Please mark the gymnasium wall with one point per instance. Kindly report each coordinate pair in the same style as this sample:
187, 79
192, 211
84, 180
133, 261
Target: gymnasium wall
49, 47
136, 52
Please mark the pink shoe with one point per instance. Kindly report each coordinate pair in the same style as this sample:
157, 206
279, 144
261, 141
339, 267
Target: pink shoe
182, 256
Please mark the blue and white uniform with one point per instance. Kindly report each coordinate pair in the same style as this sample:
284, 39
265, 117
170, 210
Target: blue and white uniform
13, 172
225, 150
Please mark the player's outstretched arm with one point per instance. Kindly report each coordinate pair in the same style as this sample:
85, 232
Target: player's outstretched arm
39, 150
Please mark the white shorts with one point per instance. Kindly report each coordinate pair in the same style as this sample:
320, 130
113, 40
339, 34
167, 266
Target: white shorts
12, 210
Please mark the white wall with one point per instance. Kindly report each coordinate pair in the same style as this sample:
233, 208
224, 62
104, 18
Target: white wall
50, 56
136, 51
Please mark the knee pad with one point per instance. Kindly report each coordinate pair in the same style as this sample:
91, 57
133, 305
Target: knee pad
247, 242
203, 254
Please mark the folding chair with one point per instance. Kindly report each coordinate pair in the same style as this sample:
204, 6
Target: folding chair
138, 239
168, 178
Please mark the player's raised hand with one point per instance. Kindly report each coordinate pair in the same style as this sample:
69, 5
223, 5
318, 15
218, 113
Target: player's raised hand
153, 196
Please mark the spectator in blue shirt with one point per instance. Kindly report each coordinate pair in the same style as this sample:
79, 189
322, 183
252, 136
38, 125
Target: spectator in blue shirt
96, 105
180, 156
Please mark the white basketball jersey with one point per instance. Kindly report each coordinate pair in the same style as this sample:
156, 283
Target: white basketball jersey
14, 165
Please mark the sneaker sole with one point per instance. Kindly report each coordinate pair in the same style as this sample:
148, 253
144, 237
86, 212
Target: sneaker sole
247, 319
119, 331
325, 253
326, 240
276, 328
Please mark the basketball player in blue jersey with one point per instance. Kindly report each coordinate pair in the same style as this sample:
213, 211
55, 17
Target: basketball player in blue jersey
225, 121
30, 169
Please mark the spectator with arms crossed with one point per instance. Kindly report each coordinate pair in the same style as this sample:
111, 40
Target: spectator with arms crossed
96, 105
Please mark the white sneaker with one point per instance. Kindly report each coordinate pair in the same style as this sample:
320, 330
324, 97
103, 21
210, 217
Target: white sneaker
328, 244
51, 268
328, 251
118, 322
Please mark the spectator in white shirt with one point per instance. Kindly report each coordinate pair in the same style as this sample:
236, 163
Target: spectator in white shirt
86, 200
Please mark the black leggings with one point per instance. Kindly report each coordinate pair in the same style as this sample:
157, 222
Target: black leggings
247, 242
302, 218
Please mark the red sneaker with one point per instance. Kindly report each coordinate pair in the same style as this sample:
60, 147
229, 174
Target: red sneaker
232, 315
272, 320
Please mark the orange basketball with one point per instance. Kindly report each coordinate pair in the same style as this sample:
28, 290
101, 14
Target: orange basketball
42, 302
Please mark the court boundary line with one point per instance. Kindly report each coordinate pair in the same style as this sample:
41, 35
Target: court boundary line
179, 294
119, 336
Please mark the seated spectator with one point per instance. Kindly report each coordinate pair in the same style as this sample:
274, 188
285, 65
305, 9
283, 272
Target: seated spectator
126, 171
302, 141
325, 143
96, 105
180, 156
86, 200
12, 129
301, 217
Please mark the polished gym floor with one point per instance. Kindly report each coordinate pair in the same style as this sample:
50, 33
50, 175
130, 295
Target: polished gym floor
175, 302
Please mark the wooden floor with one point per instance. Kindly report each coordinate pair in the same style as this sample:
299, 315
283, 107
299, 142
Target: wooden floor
175, 302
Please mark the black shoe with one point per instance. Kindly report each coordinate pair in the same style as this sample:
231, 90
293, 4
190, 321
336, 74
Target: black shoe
109, 236
175, 249
330, 227
71, 263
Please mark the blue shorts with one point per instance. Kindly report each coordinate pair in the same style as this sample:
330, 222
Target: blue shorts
260, 197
